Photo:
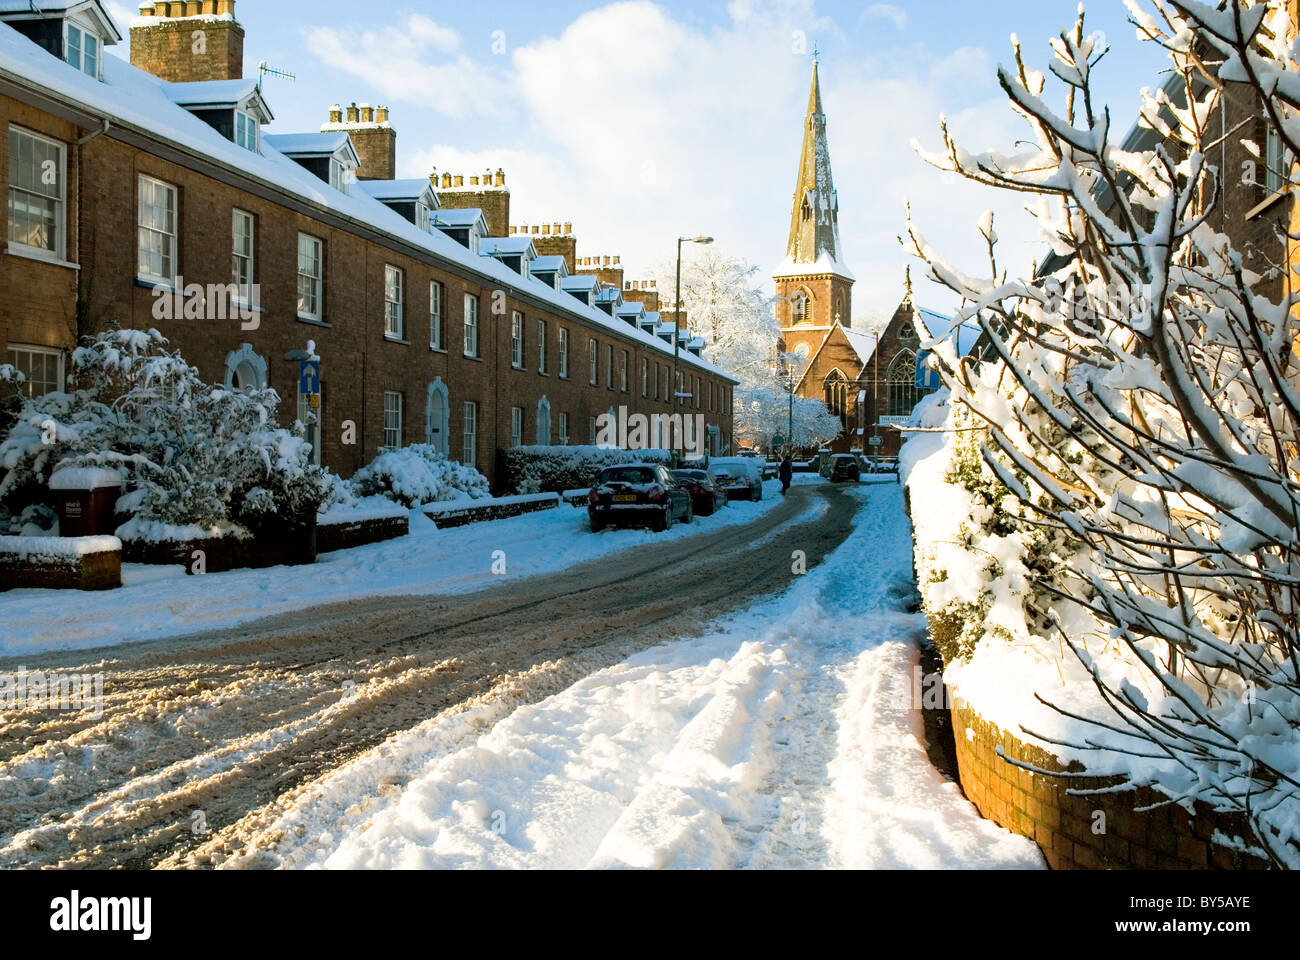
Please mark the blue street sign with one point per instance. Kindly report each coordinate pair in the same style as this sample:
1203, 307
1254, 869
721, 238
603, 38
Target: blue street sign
309, 377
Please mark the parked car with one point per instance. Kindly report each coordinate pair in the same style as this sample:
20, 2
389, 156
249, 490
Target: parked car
708, 495
842, 468
638, 494
742, 476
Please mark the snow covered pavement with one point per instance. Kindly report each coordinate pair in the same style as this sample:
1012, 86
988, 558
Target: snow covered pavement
784, 737
164, 602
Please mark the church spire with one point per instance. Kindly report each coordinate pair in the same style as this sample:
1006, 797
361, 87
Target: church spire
814, 219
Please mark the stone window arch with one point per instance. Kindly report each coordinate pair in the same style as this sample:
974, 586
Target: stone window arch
245, 370
800, 305
437, 417
837, 394
904, 394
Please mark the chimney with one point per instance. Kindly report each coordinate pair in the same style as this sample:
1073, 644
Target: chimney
546, 229
459, 180
446, 181
568, 229
173, 45
336, 114
473, 181
500, 180
382, 115
374, 141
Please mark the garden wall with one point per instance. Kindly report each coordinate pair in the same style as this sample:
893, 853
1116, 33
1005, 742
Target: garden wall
459, 514
60, 563
1038, 807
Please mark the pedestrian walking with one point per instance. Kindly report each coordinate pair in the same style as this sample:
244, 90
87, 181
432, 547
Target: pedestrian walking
786, 473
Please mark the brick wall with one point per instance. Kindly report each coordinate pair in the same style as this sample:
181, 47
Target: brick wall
173, 49
38, 304
1038, 807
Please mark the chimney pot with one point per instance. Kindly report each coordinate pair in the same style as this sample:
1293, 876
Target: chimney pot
546, 229
446, 180
617, 260
459, 180
568, 229
473, 181
352, 112
382, 115
500, 177
536, 229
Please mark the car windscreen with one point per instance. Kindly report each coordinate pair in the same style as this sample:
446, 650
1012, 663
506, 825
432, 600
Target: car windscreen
628, 475
699, 475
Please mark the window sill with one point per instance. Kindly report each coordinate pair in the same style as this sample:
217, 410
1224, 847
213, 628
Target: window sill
475, 359
518, 369
313, 322
166, 286
1267, 204
438, 350
397, 340
40, 256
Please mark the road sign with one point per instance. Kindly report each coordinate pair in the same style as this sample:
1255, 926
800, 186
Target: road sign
309, 377
876, 441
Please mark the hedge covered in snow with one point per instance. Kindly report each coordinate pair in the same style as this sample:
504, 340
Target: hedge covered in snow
418, 475
557, 469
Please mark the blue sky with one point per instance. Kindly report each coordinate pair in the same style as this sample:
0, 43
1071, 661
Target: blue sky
637, 121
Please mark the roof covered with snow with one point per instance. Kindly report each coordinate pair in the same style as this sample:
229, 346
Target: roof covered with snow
507, 247
413, 189
36, 9
307, 144
552, 263
863, 344
468, 217
140, 105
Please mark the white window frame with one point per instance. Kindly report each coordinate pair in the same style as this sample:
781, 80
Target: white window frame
564, 429
593, 358
541, 347
516, 427
423, 216
80, 62
394, 303
622, 371
35, 351
59, 250
247, 134
317, 280
564, 353
338, 175
645, 377
591, 430
394, 419
172, 238
435, 315
246, 281
517, 340
471, 326
609, 366
469, 435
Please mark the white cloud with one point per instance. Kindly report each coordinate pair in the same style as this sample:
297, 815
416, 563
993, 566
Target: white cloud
638, 127
418, 61
885, 11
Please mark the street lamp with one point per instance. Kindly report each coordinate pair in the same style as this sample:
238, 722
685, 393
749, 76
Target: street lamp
677, 314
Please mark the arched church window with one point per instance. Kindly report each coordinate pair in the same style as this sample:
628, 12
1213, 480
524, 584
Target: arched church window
904, 394
837, 395
799, 306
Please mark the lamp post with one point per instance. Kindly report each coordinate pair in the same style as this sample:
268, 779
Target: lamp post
677, 314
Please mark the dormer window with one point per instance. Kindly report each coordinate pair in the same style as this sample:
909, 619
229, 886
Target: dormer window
246, 131
83, 50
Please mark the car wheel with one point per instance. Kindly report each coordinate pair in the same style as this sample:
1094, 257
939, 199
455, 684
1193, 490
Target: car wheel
690, 513
669, 520
597, 525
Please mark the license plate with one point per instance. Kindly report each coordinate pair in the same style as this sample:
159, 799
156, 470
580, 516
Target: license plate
625, 498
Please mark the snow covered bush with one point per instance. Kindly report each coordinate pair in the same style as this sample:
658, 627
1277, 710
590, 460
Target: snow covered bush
560, 469
417, 475
192, 455
1126, 475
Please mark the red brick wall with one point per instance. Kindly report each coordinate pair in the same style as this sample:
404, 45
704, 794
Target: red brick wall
38, 305
1064, 826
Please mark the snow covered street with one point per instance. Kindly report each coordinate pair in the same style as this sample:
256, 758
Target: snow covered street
784, 737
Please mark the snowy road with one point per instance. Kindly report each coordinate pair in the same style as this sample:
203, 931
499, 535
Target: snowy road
206, 742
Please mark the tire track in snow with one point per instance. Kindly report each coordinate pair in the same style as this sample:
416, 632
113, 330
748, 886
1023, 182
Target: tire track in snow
225, 725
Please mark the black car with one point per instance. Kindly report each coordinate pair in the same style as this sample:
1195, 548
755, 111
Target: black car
707, 494
842, 468
638, 494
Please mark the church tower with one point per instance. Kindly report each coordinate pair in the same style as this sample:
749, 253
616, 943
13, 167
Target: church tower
814, 286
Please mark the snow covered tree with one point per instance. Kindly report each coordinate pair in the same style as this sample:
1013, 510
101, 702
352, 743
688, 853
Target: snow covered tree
726, 305
192, 454
1140, 427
